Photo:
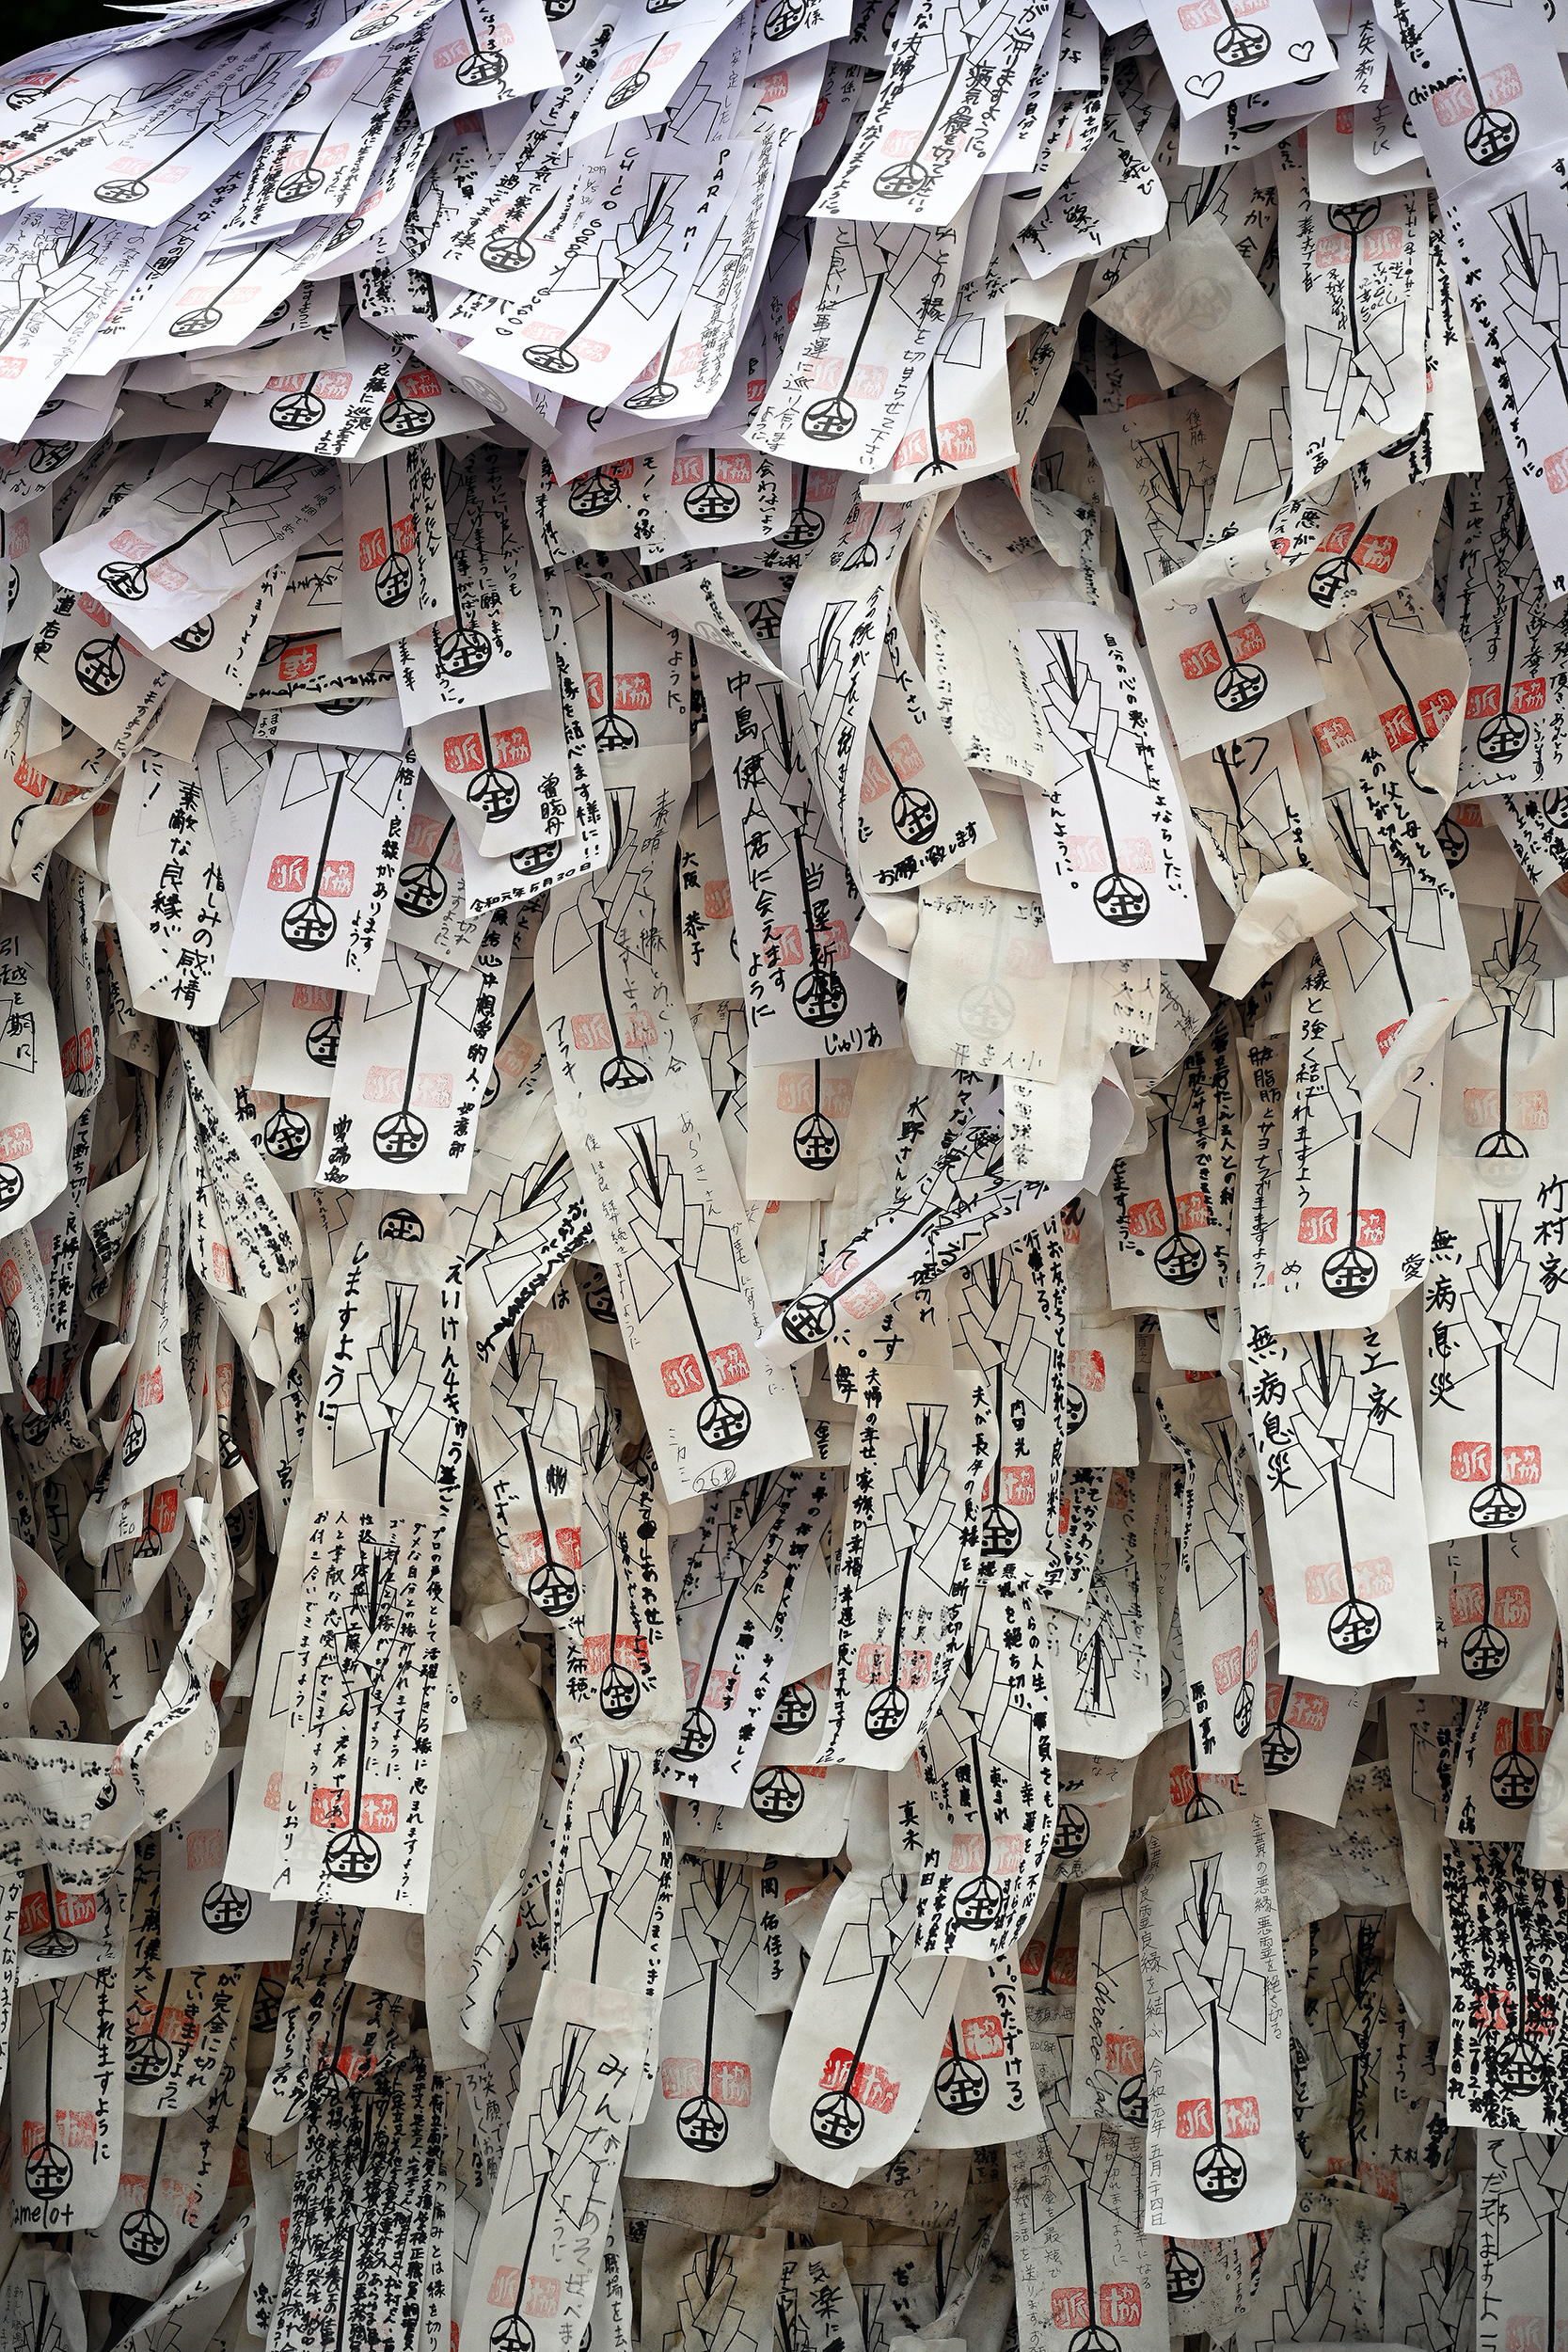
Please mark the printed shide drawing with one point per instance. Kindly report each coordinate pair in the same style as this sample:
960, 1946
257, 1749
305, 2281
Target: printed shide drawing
784, 1185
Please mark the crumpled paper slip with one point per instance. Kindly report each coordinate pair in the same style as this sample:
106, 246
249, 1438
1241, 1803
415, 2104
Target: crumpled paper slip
1284, 910
1196, 303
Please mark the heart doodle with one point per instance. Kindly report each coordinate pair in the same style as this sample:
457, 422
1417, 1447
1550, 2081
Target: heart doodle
1301, 50
1204, 85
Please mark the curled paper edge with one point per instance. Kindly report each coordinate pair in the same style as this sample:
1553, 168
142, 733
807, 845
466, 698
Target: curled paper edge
1285, 909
